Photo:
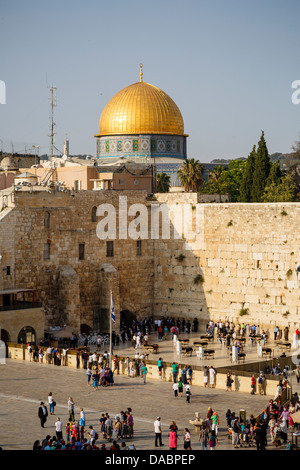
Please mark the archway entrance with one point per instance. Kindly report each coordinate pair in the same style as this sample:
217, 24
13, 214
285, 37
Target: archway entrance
5, 337
27, 335
126, 318
85, 329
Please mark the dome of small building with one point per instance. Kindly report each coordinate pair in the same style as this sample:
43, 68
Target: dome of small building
8, 163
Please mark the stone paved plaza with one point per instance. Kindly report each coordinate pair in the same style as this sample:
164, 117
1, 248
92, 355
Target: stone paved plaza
24, 385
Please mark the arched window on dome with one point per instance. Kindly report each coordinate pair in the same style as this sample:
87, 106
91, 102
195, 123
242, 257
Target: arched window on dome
94, 214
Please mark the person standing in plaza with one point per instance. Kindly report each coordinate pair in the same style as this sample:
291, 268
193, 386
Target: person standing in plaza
187, 445
212, 374
108, 427
51, 403
71, 406
213, 440
297, 373
160, 367
82, 417
173, 438
95, 378
235, 433
116, 364
183, 375
253, 384
260, 382
180, 387
41, 355
144, 372
29, 350
65, 356
205, 376
43, 413
129, 422
188, 392
58, 429
229, 382
92, 435
203, 437
89, 375
158, 432
174, 371
215, 422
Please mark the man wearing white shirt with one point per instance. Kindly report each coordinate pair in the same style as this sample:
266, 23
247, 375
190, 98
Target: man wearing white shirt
64, 356
138, 342
157, 430
58, 429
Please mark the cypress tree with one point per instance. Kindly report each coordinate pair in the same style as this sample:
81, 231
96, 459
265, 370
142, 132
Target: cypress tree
246, 185
261, 171
275, 174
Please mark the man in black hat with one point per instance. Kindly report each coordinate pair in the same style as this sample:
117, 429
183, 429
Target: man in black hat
43, 413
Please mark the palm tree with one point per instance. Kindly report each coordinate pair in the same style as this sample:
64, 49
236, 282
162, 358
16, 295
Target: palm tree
215, 174
163, 183
191, 175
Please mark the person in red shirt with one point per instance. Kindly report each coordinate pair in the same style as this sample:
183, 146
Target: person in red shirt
253, 384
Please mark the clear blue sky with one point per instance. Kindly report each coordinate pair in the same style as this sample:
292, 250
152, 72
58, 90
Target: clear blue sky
228, 64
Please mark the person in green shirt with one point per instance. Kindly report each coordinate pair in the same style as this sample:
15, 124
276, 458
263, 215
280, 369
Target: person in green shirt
160, 367
144, 372
175, 371
215, 422
180, 386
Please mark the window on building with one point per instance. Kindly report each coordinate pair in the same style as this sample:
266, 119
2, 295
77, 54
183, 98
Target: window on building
121, 182
136, 182
94, 214
139, 248
47, 220
8, 270
109, 249
46, 250
81, 251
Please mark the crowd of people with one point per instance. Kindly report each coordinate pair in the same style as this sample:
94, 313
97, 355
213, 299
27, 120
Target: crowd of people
270, 427
76, 435
252, 432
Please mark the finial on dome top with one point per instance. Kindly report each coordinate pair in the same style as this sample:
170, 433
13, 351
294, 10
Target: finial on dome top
141, 72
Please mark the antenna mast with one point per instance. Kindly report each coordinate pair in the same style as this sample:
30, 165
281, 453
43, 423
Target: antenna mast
53, 104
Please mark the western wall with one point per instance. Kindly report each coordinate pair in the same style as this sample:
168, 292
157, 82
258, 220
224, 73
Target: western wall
246, 257
239, 261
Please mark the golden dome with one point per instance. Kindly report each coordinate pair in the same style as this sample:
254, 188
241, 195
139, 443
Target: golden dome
141, 108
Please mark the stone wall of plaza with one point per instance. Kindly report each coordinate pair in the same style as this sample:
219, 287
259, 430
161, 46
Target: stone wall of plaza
247, 255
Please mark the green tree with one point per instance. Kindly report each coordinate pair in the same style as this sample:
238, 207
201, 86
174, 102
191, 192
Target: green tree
247, 178
293, 165
191, 175
280, 191
216, 173
275, 174
227, 180
261, 171
163, 183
